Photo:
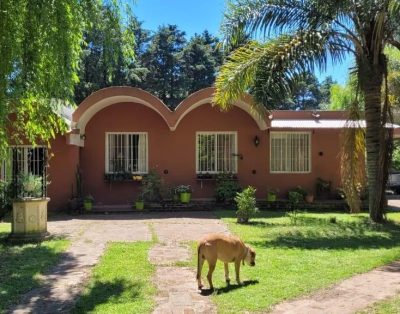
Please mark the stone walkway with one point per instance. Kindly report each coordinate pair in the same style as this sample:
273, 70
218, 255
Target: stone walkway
89, 235
177, 289
349, 296
177, 285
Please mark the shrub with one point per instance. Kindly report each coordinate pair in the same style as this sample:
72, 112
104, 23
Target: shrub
295, 198
152, 187
246, 204
29, 186
226, 188
300, 190
5, 198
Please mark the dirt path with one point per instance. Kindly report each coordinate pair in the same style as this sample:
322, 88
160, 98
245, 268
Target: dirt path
177, 285
349, 296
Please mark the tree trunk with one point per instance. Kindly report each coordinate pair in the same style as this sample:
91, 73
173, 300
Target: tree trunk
371, 84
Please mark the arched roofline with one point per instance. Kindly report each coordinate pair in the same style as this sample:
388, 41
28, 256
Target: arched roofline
117, 94
205, 96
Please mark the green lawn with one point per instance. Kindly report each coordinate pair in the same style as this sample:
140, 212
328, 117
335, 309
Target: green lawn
21, 265
389, 306
121, 282
297, 258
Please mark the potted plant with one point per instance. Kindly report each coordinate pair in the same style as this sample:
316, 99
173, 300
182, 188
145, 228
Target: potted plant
246, 204
184, 192
323, 188
226, 188
175, 194
139, 203
309, 197
29, 208
272, 195
88, 202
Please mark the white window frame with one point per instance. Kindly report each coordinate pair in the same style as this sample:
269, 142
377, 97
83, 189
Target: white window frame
309, 133
215, 149
126, 133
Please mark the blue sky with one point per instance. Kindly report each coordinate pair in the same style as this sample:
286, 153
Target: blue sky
195, 16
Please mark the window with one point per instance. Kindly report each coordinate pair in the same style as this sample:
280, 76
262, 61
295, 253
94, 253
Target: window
25, 160
126, 152
216, 152
290, 152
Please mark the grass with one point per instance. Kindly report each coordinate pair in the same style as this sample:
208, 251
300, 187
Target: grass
22, 265
121, 282
388, 306
296, 256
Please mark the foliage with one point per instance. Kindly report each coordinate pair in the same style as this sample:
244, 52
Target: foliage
295, 256
306, 35
352, 170
40, 50
300, 190
295, 198
393, 78
183, 189
22, 266
152, 187
117, 285
322, 186
5, 198
29, 186
108, 50
343, 97
396, 157
246, 204
89, 198
390, 305
226, 187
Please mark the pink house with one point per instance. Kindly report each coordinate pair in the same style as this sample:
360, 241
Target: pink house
127, 130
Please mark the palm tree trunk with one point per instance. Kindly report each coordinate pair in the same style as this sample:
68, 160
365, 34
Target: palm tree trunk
371, 84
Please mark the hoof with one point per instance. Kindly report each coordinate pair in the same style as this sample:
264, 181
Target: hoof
200, 287
228, 282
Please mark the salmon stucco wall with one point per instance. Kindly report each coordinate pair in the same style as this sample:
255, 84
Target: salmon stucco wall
63, 163
173, 153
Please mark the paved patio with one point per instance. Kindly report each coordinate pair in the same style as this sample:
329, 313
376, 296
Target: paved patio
90, 234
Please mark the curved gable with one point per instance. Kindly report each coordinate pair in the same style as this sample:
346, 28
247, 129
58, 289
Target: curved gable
205, 96
112, 95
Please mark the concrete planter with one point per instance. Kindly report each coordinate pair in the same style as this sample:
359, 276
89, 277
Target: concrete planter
29, 219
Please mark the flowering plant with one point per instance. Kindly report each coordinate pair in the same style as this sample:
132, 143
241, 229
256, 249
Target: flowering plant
183, 189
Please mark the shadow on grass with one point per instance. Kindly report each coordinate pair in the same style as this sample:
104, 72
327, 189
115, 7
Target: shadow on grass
19, 267
228, 288
339, 235
106, 292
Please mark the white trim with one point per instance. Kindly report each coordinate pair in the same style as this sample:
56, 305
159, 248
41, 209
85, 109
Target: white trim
106, 168
309, 133
105, 102
215, 149
258, 119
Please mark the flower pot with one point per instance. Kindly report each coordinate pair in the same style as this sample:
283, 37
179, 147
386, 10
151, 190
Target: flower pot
139, 205
87, 205
185, 197
176, 198
271, 197
309, 198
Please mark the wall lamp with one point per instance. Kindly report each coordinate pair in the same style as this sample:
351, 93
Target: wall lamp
256, 141
82, 137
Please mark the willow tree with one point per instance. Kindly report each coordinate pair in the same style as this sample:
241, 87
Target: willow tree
307, 34
40, 45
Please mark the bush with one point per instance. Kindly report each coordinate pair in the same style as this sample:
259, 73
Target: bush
300, 190
152, 187
29, 186
246, 204
295, 198
5, 198
226, 188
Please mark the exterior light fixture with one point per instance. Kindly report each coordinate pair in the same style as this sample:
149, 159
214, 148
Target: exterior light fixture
83, 137
256, 141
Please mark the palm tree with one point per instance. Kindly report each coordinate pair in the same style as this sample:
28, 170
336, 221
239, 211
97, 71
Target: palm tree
306, 34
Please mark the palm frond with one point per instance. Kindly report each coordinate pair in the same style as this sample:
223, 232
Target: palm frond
276, 65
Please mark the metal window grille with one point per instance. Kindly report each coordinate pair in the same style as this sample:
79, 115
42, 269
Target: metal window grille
127, 152
25, 160
290, 152
216, 152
